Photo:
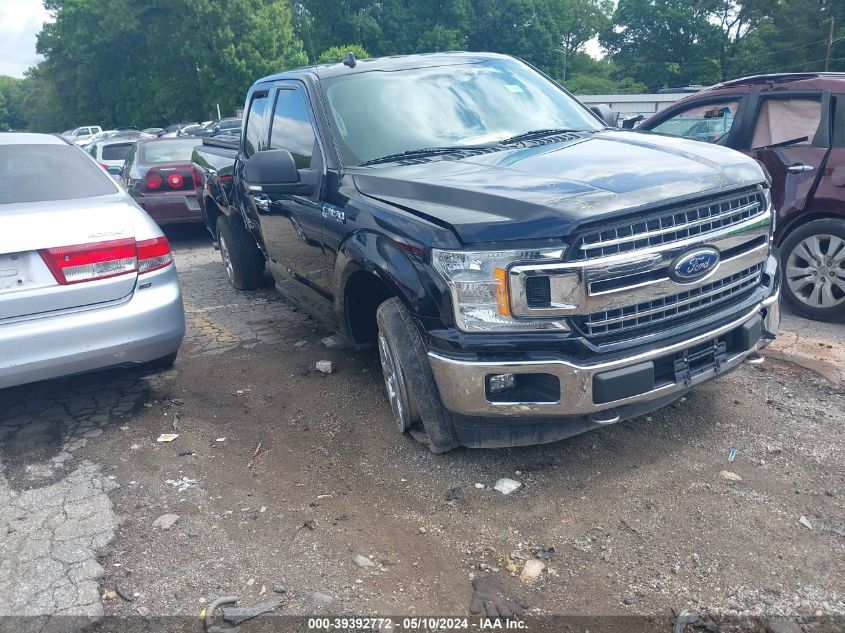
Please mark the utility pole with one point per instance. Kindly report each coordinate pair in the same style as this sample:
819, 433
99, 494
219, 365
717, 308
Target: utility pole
563, 50
829, 45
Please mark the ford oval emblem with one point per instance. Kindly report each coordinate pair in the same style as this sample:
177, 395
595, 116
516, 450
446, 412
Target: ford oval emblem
694, 265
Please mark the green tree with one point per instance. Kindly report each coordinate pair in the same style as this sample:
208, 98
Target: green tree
11, 96
337, 54
664, 43
132, 63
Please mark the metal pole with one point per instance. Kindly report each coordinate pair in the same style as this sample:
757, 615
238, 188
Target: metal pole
218, 111
563, 50
829, 45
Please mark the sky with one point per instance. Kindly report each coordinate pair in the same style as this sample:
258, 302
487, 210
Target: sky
20, 21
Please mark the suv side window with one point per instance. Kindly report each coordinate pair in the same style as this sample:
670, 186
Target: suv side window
292, 129
703, 122
255, 136
781, 120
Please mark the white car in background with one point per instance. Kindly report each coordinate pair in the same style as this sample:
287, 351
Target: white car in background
87, 279
82, 135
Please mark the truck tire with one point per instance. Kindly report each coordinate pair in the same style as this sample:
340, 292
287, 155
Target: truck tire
408, 380
242, 259
813, 264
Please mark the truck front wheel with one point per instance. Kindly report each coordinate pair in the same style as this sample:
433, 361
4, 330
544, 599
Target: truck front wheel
408, 380
243, 260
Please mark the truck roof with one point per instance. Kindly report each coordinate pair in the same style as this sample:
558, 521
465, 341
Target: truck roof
385, 64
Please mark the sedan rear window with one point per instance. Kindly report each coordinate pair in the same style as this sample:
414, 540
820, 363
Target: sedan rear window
175, 151
116, 152
36, 173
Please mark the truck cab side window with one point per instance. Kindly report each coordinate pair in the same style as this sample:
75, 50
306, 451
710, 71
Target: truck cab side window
256, 127
292, 129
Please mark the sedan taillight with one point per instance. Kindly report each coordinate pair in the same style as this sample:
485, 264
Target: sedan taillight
154, 254
101, 260
153, 181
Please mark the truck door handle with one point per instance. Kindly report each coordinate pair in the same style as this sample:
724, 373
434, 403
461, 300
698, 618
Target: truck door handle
262, 202
799, 168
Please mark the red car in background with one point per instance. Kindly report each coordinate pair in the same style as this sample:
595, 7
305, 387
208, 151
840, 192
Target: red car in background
157, 174
795, 125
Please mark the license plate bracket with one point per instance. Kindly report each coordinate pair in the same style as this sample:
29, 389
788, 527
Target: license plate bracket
700, 359
15, 272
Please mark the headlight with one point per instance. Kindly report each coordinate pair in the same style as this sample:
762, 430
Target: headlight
478, 281
773, 216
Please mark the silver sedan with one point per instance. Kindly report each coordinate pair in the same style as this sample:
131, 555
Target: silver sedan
87, 279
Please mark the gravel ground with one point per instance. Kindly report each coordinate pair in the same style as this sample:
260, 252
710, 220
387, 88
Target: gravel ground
292, 486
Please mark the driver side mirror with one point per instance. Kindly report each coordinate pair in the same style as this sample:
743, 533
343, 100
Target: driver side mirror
274, 171
605, 113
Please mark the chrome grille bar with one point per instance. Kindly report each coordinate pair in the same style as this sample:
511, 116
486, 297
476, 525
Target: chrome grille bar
671, 226
623, 320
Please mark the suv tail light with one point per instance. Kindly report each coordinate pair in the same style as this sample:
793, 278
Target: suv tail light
154, 254
153, 181
101, 260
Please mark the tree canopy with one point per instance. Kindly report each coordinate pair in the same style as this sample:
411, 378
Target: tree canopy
125, 62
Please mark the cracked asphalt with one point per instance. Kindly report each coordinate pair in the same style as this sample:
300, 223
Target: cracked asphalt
280, 475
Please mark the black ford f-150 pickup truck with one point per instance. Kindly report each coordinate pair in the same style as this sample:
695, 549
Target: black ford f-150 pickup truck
525, 272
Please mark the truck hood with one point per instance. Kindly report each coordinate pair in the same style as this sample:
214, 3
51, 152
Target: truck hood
545, 191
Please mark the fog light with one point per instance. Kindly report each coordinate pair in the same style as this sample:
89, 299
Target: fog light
497, 383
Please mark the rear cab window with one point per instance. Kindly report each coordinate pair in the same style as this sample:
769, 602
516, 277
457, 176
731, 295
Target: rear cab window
46, 172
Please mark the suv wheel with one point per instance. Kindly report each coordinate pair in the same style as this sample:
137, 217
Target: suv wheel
243, 260
813, 262
408, 381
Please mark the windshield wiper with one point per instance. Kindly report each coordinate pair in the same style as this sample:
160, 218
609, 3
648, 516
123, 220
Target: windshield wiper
791, 141
532, 134
425, 152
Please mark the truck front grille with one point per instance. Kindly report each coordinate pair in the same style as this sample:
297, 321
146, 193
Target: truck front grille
630, 320
668, 227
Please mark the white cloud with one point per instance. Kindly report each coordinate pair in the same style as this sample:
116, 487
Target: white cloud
20, 22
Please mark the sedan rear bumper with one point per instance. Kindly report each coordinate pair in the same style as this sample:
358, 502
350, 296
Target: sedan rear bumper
171, 208
148, 325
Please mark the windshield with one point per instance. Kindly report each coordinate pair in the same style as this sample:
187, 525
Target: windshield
167, 151
377, 113
36, 173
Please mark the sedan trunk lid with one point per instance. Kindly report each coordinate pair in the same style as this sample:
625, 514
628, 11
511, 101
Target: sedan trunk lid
27, 285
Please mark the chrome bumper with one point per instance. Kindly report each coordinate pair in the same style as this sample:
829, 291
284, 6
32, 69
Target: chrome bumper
462, 384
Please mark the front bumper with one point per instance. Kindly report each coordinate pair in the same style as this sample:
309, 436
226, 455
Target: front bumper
606, 392
147, 325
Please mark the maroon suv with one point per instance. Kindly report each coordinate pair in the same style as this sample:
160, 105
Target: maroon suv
795, 125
